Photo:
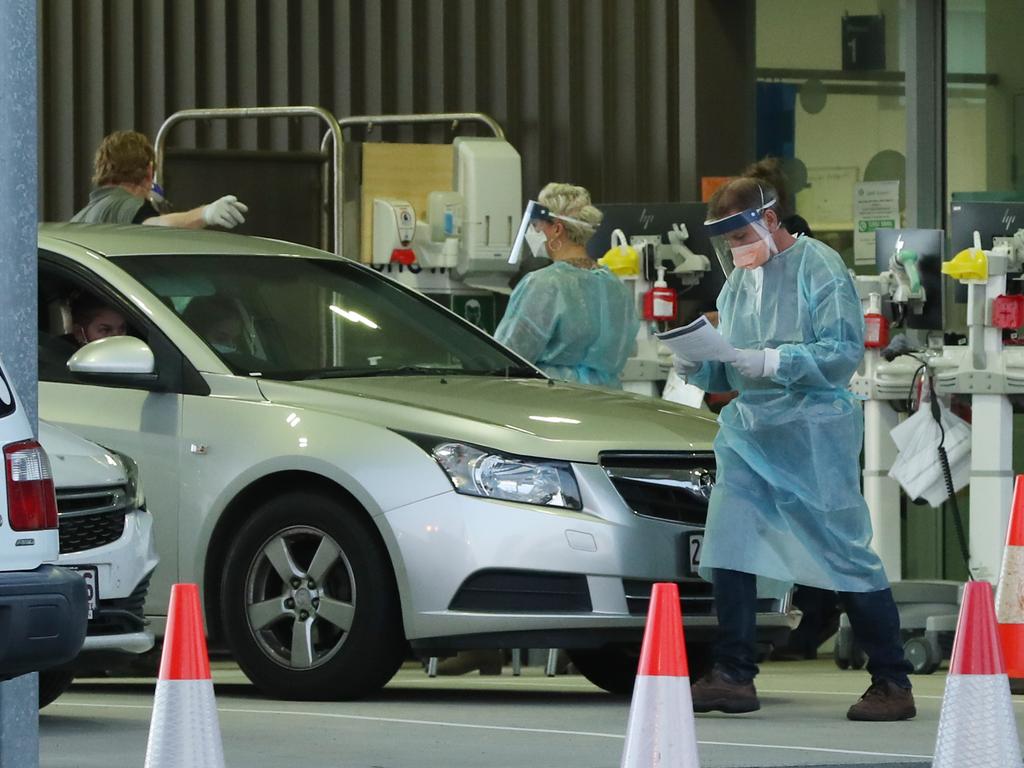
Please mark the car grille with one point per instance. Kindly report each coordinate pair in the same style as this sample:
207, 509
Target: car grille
695, 598
90, 517
666, 486
121, 615
506, 591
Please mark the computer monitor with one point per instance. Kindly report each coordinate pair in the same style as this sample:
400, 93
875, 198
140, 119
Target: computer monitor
658, 219
928, 244
988, 219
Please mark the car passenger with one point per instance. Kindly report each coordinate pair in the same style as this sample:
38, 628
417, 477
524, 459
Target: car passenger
92, 319
125, 192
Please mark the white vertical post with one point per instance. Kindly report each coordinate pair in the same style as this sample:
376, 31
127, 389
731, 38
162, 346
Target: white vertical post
881, 492
991, 491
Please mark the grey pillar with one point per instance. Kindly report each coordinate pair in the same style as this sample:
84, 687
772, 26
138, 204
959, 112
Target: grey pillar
923, 27
19, 703
717, 91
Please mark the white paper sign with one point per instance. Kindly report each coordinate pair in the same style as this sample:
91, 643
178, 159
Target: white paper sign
876, 205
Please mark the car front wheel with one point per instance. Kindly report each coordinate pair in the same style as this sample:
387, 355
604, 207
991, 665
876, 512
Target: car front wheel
614, 667
310, 606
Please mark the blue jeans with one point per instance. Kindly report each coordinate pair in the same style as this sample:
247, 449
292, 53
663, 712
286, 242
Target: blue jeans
873, 618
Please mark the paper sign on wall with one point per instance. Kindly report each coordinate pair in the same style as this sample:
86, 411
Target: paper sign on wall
876, 205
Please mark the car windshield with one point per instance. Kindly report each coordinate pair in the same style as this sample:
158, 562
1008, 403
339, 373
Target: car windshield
285, 317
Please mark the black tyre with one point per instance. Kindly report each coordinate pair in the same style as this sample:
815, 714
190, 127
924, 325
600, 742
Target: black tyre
52, 683
310, 606
613, 667
859, 659
848, 655
921, 656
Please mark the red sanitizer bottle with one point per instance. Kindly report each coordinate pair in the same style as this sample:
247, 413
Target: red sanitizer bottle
660, 301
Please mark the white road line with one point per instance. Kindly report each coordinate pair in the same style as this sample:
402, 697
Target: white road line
503, 728
562, 687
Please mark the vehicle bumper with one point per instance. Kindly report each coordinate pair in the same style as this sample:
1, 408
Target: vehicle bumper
121, 565
583, 578
129, 643
42, 619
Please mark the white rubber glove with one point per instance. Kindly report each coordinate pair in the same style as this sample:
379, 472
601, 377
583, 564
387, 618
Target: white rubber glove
225, 212
683, 366
757, 363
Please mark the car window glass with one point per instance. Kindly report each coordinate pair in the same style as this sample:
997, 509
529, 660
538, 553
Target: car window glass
292, 318
58, 294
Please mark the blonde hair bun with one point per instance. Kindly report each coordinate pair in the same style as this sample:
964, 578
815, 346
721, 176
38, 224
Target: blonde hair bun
572, 201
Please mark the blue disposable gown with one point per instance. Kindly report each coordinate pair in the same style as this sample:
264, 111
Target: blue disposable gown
574, 324
787, 502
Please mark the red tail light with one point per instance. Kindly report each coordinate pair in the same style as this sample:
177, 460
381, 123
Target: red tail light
31, 501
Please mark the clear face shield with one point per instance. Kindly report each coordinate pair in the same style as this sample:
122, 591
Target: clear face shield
742, 239
532, 237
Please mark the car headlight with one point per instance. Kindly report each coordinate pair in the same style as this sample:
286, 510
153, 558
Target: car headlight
136, 497
477, 471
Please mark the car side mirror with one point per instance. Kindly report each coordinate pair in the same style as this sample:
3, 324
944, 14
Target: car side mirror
116, 360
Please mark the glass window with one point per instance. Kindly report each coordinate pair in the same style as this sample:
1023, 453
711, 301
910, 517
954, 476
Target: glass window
295, 318
984, 100
830, 103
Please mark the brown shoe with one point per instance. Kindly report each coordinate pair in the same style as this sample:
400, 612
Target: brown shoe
883, 702
718, 691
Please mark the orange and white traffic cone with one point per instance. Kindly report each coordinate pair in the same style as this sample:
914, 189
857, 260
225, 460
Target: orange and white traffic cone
184, 731
1010, 592
661, 730
977, 725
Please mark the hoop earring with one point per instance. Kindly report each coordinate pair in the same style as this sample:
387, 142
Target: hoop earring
555, 245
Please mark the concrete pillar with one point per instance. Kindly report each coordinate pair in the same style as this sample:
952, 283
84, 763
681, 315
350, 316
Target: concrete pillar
19, 703
717, 90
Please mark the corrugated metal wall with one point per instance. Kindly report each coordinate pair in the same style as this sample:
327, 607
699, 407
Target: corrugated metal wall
586, 90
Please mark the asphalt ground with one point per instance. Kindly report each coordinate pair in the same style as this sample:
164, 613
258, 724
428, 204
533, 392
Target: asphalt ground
470, 721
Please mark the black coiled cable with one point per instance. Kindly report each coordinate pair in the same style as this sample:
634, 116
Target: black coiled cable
947, 474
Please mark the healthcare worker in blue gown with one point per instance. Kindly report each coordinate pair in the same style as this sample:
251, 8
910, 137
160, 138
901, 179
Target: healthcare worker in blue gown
574, 320
787, 506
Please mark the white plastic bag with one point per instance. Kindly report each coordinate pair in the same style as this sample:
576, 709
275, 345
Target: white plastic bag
917, 468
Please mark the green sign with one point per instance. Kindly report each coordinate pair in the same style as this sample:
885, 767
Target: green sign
870, 225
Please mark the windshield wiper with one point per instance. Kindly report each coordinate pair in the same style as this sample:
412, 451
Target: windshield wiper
403, 370
509, 372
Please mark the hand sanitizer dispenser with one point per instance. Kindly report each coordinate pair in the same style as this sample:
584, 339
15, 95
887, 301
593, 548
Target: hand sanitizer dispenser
394, 227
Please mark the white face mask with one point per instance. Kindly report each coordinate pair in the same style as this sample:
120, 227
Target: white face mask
537, 241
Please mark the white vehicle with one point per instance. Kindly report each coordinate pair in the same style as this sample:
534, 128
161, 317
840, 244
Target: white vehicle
106, 536
42, 607
346, 468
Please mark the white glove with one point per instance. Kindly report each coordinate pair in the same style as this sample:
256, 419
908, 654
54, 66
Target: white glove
225, 212
683, 366
757, 363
